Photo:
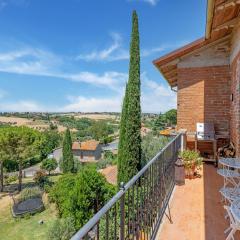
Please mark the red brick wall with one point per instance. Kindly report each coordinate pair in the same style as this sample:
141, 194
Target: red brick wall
204, 96
235, 104
190, 98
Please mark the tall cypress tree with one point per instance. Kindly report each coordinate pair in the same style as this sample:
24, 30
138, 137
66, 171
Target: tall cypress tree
68, 162
122, 140
130, 139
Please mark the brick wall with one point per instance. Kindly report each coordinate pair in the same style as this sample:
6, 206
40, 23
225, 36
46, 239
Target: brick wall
235, 104
204, 96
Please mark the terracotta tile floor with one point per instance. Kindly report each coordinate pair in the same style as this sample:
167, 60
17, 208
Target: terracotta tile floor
196, 210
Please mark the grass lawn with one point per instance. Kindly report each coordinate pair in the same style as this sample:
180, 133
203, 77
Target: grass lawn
26, 228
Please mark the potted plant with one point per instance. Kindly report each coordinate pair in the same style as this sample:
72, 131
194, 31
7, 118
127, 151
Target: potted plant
192, 161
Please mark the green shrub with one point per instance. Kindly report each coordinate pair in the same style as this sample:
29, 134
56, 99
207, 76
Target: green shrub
40, 178
61, 229
49, 164
108, 159
151, 145
10, 179
77, 165
28, 193
80, 195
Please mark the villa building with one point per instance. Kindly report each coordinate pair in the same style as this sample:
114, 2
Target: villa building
87, 151
206, 75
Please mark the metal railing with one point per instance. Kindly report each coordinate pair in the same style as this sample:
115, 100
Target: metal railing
136, 211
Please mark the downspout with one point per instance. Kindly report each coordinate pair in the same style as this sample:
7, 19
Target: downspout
210, 10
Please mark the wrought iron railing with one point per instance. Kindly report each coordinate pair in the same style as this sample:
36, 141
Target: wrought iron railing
136, 211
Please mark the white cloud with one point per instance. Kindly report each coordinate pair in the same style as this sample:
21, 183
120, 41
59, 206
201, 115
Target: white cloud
113, 80
156, 97
116, 51
30, 61
93, 104
22, 106
104, 54
151, 2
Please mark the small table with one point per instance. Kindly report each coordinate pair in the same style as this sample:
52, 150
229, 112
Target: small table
230, 162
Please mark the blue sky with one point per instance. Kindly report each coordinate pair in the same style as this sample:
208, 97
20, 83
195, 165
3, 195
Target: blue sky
72, 55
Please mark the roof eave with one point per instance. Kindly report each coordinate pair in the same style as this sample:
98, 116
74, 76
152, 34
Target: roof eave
210, 8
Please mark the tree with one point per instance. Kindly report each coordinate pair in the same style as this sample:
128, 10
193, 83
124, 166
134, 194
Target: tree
171, 117
130, 144
49, 164
3, 154
68, 162
22, 143
151, 145
122, 140
52, 141
101, 130
81, 195
160, 122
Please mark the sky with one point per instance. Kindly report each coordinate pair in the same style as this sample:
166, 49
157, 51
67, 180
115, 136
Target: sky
73, 55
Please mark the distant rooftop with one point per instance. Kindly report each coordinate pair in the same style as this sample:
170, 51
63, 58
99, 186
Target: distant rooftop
89, 145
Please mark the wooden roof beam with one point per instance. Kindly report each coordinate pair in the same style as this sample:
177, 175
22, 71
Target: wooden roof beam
226, 25
210, 11
229, 3
170, 74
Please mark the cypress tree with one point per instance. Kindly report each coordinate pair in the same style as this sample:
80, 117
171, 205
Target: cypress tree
122, 140
68, 162
130, 129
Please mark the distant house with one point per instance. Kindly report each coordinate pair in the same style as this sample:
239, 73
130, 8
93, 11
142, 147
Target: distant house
88, 151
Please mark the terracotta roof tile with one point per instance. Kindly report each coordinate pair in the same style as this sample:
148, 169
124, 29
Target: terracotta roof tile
110, 173
87, 145
75, 146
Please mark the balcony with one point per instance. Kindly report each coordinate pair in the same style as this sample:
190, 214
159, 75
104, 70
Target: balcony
151, 206
197, 210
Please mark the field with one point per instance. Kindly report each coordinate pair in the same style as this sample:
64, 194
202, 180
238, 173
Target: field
18, 121
96, 116
42, 125
36, 124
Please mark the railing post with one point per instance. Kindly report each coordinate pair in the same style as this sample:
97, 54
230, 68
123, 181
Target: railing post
122, 213
183, 139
